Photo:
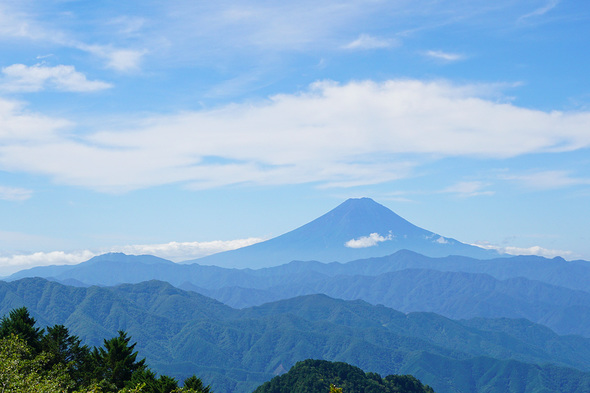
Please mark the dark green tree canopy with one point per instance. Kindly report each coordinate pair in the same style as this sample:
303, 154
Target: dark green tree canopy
117, 361
196, 384
21, 324
321, 376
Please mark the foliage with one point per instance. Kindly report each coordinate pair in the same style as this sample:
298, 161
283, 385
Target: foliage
57, 362
334, 389
116, 362
196, 384
321, 376
65, 349
21, 371
181, 333
20, 323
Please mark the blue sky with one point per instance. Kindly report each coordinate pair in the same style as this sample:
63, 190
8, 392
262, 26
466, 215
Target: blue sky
188, 127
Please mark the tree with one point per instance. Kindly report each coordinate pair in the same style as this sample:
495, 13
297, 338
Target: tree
21, 371
20, 323
167, 384
116, 362
68, 350
196, 384
334, 389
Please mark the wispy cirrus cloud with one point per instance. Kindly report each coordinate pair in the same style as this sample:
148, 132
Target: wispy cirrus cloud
544, 180
355, 133
19, 77
366, 41
548, 6
15, 193
17, 21
444, 56
468, 189
125, 60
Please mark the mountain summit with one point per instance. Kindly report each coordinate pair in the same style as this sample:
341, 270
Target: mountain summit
357, 228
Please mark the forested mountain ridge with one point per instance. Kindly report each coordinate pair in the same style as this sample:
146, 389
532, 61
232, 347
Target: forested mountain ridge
118, 268
405, 281
321, 376
183, 333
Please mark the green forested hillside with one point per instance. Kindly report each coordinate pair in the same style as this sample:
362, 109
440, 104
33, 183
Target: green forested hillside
183, 333
316, 376
551, 292
453, 294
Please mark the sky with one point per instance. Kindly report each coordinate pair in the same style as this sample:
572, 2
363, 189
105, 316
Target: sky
183, 128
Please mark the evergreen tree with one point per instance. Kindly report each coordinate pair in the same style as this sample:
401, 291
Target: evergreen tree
21, 324
116, 362
57, 362
66, 349
196, 384
167, 384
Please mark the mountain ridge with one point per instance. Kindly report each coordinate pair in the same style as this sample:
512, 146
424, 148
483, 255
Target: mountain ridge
183, 333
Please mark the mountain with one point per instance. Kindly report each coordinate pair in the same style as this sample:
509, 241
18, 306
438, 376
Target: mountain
452, 294
106, 269
357, 228
317, 376
183, 333
552, 292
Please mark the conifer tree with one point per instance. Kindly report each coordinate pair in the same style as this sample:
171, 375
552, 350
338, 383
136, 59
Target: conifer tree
21, 324
117, 361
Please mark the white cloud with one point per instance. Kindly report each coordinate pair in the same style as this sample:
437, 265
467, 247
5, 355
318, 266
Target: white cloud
181, 251
14, 263
14, 193
19, 77
548, 180
541, 10
18, 126
368, 241
468, 189
174, 251
334, 135
365, 41
116, 58
18, 21
15, 23
534, 250
128, 25
446, 56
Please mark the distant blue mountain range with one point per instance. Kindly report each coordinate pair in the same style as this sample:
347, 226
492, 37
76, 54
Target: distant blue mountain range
357, 228
383, 260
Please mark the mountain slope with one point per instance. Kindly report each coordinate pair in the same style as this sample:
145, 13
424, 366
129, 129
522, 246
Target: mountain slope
452, 294
316, 376
405, 280
182, 333
325, 239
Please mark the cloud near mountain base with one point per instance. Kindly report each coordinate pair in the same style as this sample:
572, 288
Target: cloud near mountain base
174, 251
